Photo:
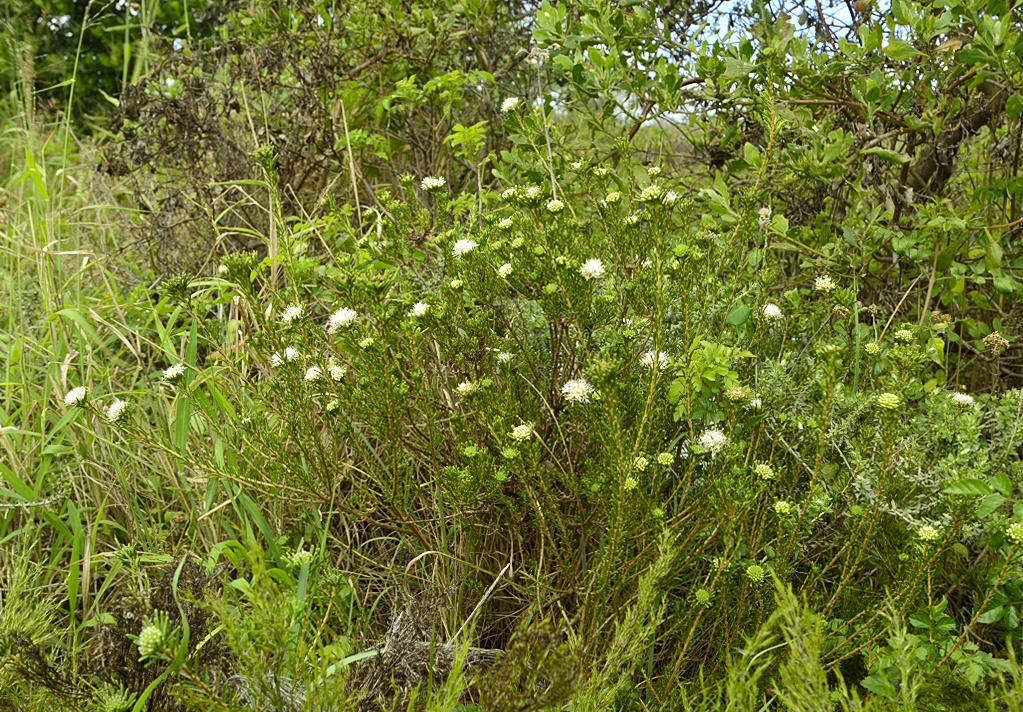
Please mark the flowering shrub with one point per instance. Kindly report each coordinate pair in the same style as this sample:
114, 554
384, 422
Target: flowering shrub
550, 418
570, 383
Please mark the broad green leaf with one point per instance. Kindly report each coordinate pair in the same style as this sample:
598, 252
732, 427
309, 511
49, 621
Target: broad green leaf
970, 487
901, 51
992, 615
989, 504
738, 315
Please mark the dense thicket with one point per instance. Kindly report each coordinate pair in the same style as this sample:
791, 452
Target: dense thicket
511, 356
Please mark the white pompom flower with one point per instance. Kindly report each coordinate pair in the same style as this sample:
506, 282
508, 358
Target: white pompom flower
115, 410
75, 396
341, 318
658, 358
463, 247
174, 372
522, 431
290, 354
292, 314
963, 399
577, 390
713, 441
824, 283
593, 268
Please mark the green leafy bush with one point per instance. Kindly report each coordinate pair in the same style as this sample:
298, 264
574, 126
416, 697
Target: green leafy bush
637, 369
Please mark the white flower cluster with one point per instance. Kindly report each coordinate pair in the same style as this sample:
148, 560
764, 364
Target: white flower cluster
115, 410
650, 358
824, 283
523, 431
466, 388
292, 314
464, 247
290, 354
592, 269
75, 396
342, 317
151, 639
713, 441
577, 390
419, 310
174, 372
651, 193
963, 399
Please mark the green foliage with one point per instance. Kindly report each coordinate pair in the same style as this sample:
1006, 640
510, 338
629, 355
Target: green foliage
483, 355
710, 378
82, 55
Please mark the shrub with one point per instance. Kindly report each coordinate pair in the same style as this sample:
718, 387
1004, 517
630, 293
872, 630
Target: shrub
554, 408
